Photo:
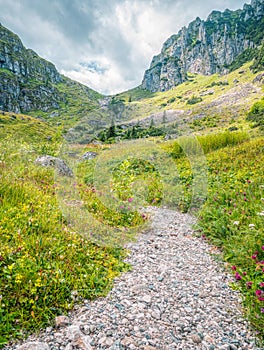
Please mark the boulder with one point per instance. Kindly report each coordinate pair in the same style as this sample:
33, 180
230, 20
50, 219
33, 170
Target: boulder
89, 155
57, 163
259, 78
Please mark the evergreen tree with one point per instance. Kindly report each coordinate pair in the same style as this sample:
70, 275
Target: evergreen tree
134, 133
111, 132
102, 136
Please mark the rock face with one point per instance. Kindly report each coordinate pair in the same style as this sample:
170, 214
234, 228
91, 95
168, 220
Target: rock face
26, 80
206, 47
28, 83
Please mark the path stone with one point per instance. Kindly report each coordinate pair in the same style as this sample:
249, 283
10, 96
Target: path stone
62, 321
34, 346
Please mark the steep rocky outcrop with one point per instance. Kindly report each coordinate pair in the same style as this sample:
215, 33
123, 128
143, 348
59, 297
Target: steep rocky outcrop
30, 83
206, 47
27, 82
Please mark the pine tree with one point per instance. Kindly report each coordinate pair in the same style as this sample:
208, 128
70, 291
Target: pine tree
102, 136
134, 133
111, 131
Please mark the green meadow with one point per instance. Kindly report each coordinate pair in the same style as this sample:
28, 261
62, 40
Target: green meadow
62, 238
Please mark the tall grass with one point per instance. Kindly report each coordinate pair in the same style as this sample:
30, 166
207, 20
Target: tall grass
45, 266
191, 146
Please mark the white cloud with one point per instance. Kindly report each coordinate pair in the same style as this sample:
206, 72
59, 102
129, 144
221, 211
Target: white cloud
109, 81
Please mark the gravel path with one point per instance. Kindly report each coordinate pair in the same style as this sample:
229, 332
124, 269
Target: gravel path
175, 297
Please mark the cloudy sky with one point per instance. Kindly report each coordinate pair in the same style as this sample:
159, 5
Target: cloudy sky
105, 44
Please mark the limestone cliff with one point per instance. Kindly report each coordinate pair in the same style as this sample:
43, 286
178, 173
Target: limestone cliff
26, 80
30, 83
206, 47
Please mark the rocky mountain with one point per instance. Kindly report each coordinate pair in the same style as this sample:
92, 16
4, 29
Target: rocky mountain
207, 47
30, 83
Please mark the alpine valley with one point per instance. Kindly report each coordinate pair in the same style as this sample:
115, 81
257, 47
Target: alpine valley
200, 101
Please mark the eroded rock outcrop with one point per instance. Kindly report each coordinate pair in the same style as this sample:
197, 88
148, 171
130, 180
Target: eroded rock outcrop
206, 47
26, 80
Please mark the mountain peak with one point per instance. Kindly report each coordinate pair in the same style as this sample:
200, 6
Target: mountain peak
206, 47
30, 83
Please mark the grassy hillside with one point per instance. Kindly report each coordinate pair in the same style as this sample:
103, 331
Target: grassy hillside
78, 102
202, 104
45, 261
61, 237
232, 215
45, 264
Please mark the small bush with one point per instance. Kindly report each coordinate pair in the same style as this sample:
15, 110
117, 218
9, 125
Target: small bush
218, 83
194, 100
171, 100
256, 114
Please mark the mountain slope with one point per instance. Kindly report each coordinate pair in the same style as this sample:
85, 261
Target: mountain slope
30, 83
207, 47
201, 104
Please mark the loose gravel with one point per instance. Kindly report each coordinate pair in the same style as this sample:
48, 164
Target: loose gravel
176, 296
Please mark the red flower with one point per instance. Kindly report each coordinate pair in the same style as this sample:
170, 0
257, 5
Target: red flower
258, 292
249, 284
234, 268
261, 298
261, 284
238, 277
130, 200
254, 256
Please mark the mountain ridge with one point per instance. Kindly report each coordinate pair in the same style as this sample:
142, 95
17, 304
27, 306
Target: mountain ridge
206, 47
29, 82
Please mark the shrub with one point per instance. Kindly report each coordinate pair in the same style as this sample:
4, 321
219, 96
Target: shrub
256, 114
193, 100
